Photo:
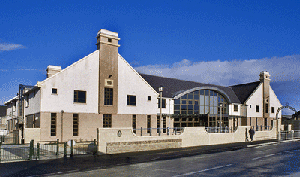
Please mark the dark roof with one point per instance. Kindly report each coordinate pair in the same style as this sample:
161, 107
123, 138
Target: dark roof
243, 91
2, 110
174, 86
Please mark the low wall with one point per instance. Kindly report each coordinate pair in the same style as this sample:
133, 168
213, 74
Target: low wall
32, 134
120, 140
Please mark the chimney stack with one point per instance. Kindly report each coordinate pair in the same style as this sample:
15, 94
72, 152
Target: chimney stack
52, 70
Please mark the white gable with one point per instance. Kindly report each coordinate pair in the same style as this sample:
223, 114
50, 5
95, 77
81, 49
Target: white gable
256, 98
131, 83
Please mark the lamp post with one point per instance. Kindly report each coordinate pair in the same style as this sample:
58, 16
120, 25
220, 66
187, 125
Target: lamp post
160, 89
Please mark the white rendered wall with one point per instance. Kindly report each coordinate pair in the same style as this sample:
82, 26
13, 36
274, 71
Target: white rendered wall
255, 99
34, 105
274, 102
169, 106
232, 112
81, 75
131, 83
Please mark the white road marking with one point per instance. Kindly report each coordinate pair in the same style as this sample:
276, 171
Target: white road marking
207, 169
256, 158
269, 155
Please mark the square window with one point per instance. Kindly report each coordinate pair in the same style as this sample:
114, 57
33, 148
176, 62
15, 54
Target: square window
107, 121
149, 98
54, 90
109, 40
79, 96
131, 100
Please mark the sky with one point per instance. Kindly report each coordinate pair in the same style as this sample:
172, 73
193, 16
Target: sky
220, 42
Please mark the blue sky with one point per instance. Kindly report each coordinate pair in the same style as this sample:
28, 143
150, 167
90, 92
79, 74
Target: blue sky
180, 39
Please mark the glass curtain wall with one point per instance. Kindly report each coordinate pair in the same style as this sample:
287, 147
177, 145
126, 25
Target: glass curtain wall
201, 108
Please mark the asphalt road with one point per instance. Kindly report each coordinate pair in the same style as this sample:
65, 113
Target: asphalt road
264, 159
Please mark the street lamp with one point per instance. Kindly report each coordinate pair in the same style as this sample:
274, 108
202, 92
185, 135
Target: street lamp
160, 89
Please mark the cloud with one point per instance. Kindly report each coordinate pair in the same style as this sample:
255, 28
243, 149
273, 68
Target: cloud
228, 73
6, 47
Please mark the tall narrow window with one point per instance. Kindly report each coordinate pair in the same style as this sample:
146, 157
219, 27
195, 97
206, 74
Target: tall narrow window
108, 96
158, 124
148, 123
163, 103
266, 123
149, 98
164, 124
75, 124
267, 108
79, 96
53, 124
257, 108
107, 121
131, 100
134, 123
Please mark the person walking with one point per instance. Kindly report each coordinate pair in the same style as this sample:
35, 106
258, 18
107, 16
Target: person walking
251, 132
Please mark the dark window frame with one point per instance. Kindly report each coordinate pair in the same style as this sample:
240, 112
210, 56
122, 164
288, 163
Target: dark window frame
257, 108
79, 96
134, 123
54, 91
107, 120
148, 123
272, 110
235, 108
164, 102
53, 124
75, 124
108, 96
131, 100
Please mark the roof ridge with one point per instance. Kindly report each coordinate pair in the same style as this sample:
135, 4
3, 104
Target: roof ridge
243, 84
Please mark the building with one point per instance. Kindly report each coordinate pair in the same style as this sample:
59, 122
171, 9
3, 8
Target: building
103, 90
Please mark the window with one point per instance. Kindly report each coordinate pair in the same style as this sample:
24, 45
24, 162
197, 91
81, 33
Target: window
250, 106
27, 101
75, 124
108, 96
164, 124
107, 121
149, 98
53, 124
272, 109
131, 100
109, 40
54, 90
257, 108
148, 123
79, 96
267, 108
236, 108
134, 123
158, 124
163, 103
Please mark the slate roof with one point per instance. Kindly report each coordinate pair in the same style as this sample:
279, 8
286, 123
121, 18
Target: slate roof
243, 91
174, 86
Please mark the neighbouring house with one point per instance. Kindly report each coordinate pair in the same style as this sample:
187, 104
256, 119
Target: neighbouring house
102, 90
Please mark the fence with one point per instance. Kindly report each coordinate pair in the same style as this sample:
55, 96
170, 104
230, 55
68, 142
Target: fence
50, 150
263, 128
290, 135
221, 129
158, 131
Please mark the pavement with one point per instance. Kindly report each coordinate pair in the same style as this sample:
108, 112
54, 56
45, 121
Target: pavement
92, 162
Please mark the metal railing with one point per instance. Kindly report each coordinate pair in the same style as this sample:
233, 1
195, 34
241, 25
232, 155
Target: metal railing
290, 135
220, 129
158, 131
263, 128
49, 150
